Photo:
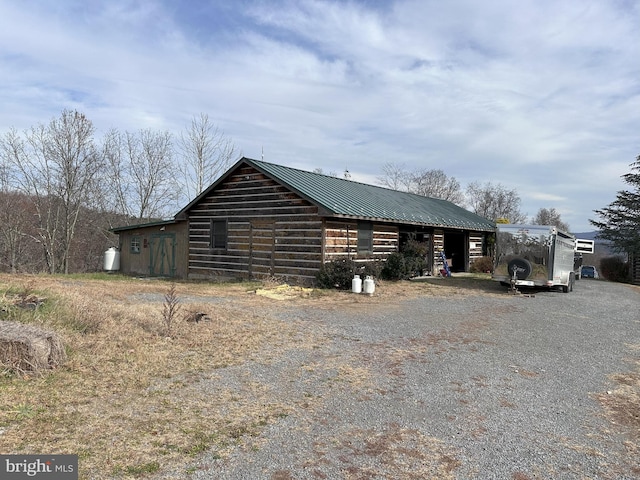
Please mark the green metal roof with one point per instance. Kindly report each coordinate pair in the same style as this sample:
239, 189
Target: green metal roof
353, 199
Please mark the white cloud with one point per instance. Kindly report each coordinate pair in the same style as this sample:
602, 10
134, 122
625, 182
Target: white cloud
541, 95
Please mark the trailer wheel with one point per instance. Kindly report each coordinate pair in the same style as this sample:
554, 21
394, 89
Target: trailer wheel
521, 266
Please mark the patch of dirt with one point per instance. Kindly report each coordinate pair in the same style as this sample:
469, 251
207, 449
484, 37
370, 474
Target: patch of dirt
394, 452
622, 404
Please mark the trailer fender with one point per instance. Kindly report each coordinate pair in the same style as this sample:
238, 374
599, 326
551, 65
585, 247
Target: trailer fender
521, 266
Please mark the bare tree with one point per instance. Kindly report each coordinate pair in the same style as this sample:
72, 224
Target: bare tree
151, 170
428, 183
549, 216
19, 248
494, 201
56, 167
206, 154
395, 176
115, 197
320, 171
436, 184
144, 185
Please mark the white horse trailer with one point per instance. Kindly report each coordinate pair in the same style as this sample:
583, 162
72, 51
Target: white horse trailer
537, 256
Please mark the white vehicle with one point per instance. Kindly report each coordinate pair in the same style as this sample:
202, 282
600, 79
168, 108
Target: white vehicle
537, 256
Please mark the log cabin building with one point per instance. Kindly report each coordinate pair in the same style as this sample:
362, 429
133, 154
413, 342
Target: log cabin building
261, 219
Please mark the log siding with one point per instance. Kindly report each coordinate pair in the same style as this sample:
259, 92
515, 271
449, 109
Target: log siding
341, 241
271, 231
476, 247
438, 246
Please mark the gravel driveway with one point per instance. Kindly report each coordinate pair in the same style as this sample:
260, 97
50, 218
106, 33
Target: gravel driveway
471, 386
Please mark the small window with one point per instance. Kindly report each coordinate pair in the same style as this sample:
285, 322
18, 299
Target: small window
365, 237
218, 234
135, 244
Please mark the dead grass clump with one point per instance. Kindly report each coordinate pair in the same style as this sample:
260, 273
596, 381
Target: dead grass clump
18, 302
284, 292
77, 312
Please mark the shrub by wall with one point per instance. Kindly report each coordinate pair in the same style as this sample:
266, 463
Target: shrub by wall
395, 268
339, 273
411, 261
614, 269
481, 265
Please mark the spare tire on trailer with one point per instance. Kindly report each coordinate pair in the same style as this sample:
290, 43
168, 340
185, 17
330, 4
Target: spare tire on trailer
521, 266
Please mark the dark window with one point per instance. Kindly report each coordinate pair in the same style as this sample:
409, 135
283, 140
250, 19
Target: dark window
218, 233
365, 237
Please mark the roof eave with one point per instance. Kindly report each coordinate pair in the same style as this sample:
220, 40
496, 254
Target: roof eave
478, 228
145, 225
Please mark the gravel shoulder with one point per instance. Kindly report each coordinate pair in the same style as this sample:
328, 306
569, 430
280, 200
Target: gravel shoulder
475, 385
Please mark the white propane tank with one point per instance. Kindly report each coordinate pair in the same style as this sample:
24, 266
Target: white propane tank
356, 284
112, 260
369, 285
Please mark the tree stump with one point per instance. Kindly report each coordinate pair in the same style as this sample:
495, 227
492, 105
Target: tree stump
27, 349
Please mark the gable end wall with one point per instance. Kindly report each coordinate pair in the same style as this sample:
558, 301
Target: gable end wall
271, 231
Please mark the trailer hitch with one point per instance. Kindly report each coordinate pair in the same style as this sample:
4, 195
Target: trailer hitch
513, 290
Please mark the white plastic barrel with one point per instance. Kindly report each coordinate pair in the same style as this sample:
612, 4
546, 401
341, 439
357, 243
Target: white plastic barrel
356, 284
369, 285
112, 260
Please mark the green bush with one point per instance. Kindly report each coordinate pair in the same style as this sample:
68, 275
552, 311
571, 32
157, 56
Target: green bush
415, 266
415, 249
415, 257
614, 269
372, 268
336, 274
339, 273
411, 261
395, 267
481, 265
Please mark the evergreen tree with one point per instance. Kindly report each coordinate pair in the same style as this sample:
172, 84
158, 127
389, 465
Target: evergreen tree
620, 221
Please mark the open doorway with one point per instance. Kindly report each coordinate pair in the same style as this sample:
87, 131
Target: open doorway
455, 248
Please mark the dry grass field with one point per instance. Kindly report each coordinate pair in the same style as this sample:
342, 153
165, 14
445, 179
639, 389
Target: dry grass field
124, 400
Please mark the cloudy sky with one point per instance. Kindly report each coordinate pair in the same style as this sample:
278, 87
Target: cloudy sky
542, 96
